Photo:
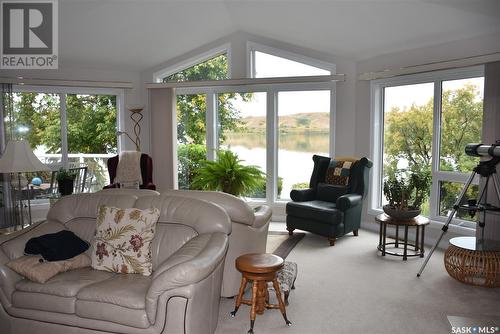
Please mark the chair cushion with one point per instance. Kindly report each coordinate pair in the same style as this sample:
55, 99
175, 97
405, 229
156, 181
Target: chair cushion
123, 240
120, 299
329, 192
323, 211
338, 172
58, 293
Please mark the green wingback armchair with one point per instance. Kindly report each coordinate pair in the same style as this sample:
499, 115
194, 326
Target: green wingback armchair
326, 209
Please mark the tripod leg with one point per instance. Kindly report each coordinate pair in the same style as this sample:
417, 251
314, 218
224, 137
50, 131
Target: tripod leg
448, 221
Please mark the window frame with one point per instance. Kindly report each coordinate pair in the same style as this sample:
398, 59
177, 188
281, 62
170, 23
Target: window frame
62, 92
271, 91
253, 46
195, 60
377, 88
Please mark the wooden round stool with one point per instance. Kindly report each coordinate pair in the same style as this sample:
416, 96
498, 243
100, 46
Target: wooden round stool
260, 269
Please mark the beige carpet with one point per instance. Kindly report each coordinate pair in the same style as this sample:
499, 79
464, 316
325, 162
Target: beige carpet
349, 288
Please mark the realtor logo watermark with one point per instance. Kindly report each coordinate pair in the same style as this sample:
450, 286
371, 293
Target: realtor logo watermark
474, 329
29, 37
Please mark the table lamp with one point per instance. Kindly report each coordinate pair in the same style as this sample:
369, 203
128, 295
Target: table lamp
19, 158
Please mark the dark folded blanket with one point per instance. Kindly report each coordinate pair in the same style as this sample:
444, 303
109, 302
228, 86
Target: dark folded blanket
58, 246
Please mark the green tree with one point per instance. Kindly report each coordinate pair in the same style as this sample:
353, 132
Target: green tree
191, 127
408, 132
91, 122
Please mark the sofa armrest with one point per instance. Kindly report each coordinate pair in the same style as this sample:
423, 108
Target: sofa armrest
8, 280
303, 195
263, 215
348, 201
191, 263
12, 246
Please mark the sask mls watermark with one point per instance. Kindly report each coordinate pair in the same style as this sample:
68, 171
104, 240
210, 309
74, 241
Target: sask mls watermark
29, 38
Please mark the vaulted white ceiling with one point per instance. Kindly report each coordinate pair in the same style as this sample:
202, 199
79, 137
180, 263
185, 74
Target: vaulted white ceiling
138, 34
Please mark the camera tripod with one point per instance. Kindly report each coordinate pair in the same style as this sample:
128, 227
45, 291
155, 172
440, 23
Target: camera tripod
487, 170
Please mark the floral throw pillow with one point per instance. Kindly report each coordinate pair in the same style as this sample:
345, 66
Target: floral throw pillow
123, 240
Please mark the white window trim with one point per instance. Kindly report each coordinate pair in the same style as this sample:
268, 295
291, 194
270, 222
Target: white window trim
253, 46
195, 60
376, 134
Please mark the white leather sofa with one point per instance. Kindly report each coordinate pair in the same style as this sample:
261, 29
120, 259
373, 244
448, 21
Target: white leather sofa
181, 296
249, 231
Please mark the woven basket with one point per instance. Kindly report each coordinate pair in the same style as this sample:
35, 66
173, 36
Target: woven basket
481, 268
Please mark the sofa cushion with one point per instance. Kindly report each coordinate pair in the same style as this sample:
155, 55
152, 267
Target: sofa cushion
123, 240
323, 211
121, 299
58, 293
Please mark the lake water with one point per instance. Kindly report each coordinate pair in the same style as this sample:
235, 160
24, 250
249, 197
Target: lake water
295, 151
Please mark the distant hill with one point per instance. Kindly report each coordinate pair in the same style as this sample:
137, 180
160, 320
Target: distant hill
297, 122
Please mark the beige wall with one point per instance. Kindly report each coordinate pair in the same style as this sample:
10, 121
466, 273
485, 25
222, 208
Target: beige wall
491, 133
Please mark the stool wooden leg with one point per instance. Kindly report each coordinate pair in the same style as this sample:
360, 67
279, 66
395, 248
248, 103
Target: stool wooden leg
240, 296
253, 312
280, 301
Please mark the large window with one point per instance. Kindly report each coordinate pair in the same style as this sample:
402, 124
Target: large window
428, 119
242, 129
67, 128
304, 130
273, 127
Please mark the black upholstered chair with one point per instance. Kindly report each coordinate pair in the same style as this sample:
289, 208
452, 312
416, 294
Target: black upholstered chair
326, 209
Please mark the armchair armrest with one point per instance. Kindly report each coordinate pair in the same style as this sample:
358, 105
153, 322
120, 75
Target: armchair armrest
191, 263
303, 195
262, 215
347, 201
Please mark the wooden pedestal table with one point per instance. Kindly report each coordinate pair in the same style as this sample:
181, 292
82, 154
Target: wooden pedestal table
418, 222
474, 262
260, 269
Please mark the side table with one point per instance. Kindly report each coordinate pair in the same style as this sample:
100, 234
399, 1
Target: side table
474, 262
418, 222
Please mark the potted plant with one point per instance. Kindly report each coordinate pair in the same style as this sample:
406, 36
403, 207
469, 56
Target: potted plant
406, 190
227, 174
65, 181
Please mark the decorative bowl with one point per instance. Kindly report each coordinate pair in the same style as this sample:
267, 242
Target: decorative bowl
400, 214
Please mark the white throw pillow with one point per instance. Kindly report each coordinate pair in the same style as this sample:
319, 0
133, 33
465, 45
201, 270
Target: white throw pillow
123, 240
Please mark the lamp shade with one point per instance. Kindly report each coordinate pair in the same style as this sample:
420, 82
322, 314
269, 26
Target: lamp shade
18, 157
